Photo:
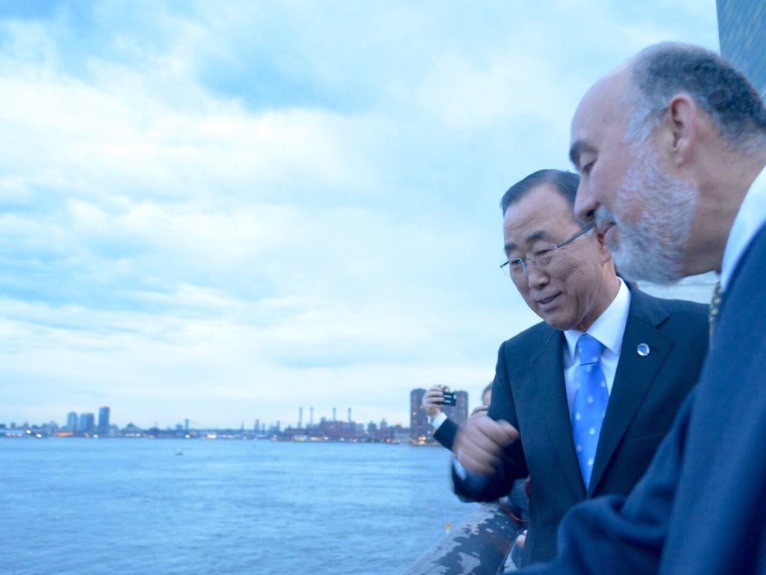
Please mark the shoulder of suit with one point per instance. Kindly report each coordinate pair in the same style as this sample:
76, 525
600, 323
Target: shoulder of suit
673, 308
536, 335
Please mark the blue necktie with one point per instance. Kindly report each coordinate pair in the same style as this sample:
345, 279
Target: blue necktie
589, 404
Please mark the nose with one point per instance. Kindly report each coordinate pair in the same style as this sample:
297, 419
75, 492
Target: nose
536, 278
585, 205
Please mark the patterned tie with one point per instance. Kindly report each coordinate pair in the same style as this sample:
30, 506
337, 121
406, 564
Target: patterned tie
715, 308
589, 404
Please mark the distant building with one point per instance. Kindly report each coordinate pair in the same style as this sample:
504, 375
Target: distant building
103, 421
742, 35
336, 430
71, 421
132, 430
87, 423
419, 426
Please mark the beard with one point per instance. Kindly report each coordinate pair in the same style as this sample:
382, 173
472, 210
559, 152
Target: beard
652, 247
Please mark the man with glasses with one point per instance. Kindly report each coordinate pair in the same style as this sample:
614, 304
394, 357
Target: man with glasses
581, 401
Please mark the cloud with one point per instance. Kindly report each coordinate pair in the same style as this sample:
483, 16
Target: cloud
223, 212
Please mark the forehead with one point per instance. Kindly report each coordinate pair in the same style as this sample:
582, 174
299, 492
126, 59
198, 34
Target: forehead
601, 116
542, 214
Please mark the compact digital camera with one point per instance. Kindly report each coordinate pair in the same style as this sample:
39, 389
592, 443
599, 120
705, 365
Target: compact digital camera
449, 398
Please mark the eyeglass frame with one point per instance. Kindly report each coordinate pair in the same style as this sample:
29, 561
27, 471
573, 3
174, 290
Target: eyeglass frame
531, 259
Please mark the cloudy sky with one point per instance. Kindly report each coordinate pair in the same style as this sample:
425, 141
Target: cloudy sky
225, 211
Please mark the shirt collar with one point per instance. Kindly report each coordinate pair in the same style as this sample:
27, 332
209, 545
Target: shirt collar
609, 327
750, 218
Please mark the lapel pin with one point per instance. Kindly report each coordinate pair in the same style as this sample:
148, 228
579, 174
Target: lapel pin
642, 349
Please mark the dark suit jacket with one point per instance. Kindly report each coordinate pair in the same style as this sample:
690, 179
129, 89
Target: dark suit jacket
529, 392
699, 510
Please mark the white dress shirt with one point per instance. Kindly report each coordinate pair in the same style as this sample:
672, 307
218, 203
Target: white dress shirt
437, 420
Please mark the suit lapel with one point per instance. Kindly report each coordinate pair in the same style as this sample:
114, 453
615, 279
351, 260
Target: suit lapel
635, 375
549, 376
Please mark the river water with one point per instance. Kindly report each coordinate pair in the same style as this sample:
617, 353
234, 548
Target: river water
173, 507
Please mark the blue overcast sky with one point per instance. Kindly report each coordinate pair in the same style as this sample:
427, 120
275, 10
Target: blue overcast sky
225, 211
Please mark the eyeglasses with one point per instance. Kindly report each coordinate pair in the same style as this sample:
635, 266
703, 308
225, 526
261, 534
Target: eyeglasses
541, 258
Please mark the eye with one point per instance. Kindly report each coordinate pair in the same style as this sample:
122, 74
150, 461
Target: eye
543, 257
516, 264
586, 168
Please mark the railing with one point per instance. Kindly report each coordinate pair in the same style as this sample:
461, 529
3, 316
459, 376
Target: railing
477, 546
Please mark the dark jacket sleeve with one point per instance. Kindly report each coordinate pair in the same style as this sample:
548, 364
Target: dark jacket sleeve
513, 465
446, 433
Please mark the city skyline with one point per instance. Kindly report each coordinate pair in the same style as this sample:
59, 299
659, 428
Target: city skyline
459, 414
167, 424
223, 211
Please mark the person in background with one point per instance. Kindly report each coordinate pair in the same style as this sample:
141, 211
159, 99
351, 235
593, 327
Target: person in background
486, 399
593, 388
516, 502
444, 429
672, 152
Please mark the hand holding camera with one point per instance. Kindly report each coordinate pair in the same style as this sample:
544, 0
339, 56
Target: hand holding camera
436, 397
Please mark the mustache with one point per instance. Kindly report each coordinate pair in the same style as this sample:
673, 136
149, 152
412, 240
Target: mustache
604, 215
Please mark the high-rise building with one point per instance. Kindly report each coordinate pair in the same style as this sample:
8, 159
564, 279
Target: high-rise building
103, 421
419, 426
87, 423
458, 412
71, 421
742, 35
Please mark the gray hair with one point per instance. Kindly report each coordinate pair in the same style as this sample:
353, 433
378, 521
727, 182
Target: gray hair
664, 70
565, 183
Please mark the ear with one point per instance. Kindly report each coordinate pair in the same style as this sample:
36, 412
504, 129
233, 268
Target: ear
606, 255
682, 119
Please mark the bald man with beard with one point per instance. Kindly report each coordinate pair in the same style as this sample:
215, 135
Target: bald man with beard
671, 149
